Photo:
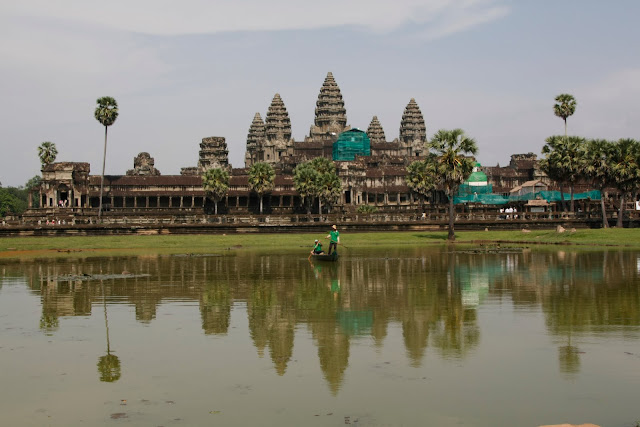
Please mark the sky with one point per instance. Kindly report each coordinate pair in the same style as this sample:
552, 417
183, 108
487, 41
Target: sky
185, 70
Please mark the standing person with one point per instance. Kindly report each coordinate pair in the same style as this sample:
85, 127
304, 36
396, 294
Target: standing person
334, 239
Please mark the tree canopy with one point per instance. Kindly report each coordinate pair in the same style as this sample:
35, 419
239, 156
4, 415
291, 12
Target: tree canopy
564, 107
47, 152
261, 179
216, 184
452, 163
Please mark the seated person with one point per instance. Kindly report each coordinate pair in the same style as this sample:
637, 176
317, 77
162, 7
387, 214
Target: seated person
317, 248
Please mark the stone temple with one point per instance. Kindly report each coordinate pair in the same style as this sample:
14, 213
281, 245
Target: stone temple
371, 168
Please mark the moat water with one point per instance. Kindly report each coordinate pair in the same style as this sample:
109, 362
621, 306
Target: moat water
430, 336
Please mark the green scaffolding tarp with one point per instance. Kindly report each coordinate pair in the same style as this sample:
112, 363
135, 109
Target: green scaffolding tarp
497, 199
351, 143
466, 189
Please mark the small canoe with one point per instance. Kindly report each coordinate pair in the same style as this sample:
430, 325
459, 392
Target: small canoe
325, 257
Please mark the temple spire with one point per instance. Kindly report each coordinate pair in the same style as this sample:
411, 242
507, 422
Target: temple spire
413, 132
375, 131
255, 141
277, 131
331, 115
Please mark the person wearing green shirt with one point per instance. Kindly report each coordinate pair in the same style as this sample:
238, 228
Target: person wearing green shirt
334, 239
317, 248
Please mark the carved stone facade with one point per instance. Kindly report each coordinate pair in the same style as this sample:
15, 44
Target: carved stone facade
413, 131
143, 165
64, 184
278, 143
375, 131
255, 141
331, 116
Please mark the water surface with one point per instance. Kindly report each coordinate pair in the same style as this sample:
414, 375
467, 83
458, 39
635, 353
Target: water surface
401, 337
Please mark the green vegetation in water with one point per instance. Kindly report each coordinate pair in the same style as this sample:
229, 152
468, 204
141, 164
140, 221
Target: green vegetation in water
220, 243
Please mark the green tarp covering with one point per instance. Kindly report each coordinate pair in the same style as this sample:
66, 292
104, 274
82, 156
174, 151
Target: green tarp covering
497, 199
351, 143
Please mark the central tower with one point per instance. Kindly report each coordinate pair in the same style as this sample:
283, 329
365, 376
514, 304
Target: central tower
331, 116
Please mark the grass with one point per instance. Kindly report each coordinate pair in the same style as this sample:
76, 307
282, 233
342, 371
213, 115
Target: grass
19, 247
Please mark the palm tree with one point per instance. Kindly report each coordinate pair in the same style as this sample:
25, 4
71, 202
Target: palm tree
596, 165
421, 176
261, 179
329, 186
323, 165
305, 180
109, 364
559, 163
565, 106
47, 152
453, 166
330, 189
625, 163
216, 185
106, 113
568, 152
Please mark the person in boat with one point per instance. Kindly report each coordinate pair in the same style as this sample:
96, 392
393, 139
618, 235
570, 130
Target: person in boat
317, 248
334, 239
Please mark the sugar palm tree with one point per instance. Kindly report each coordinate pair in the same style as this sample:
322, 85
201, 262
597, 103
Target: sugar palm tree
323, 165
557, 164
47, 152
596, 165
305, 180
330, 189
106, 113
329, 186
565, 106
109, 364
216, 185
625, 163
261, 179
421, 176
453, 166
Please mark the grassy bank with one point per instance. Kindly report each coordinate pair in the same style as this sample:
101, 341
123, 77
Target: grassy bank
103, 245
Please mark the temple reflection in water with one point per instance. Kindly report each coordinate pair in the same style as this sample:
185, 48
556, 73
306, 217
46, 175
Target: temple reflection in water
432, 295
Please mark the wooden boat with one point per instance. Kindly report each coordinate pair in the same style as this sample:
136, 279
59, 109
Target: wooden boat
325, 257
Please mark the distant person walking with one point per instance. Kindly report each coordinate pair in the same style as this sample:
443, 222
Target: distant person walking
334, 239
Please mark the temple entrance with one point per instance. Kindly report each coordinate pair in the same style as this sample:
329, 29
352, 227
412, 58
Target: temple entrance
347, 197
63, 196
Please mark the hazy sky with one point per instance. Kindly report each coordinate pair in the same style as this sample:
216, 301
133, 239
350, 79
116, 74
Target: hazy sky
184, 70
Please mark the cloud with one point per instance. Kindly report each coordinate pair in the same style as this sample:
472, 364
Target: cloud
170, 17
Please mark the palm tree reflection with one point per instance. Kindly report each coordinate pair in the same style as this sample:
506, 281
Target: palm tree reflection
109, 364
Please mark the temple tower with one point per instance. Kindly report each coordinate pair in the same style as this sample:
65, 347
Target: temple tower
213, 154
331, 116
143, 165
255, 142
278, 141
375, 131
413, 132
